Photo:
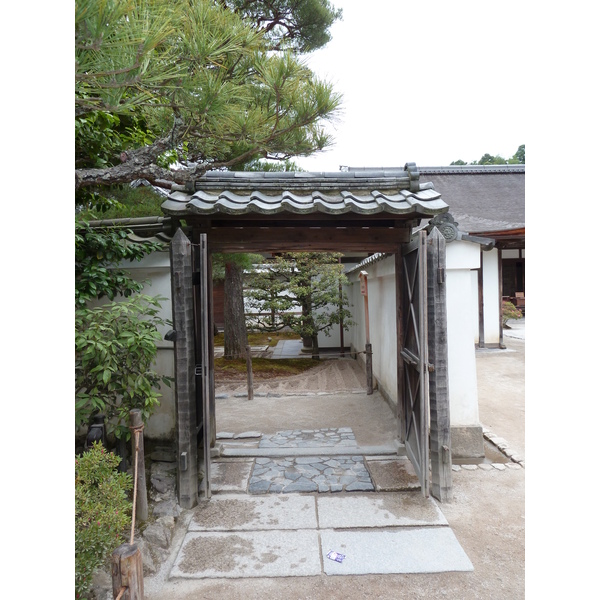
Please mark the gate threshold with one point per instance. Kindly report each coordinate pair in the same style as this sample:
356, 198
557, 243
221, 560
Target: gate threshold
245, 452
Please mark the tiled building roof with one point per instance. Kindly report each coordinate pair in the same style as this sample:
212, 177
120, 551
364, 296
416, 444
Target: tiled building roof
482, 198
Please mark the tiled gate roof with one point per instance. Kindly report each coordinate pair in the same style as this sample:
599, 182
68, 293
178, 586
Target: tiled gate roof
367, 192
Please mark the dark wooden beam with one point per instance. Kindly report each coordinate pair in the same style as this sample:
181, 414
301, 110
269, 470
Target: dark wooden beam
271, 239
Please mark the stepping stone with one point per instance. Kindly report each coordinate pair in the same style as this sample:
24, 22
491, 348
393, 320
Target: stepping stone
248, 434
248, 554
370, 510
301, 485
405, 550
360, 486
235, 512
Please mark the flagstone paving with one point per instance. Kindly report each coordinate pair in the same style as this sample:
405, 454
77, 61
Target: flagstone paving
310, 474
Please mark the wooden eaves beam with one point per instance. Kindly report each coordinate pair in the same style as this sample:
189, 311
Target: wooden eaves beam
325, 239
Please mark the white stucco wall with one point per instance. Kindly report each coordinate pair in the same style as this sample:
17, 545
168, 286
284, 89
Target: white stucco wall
381, 284
461, 259
491, 297
461, 303
155, 269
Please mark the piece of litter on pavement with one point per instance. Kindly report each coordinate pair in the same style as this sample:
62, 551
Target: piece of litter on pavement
336, 556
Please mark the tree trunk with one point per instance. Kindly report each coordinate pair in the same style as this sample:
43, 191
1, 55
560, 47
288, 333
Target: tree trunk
315, 347
236, 337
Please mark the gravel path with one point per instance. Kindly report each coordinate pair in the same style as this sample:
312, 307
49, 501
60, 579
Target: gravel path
333, 375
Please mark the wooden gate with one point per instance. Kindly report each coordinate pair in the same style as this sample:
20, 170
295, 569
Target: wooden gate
202, 367
414, 352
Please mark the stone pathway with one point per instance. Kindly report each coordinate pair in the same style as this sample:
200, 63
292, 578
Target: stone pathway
310, 474
310, 438
294, 472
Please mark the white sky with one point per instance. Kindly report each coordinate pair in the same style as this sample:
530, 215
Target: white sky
425, 82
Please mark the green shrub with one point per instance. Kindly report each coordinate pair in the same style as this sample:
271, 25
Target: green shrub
102, 512
115, 347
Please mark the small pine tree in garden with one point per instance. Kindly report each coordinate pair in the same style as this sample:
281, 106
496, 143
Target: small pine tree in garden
102, 512
509, 311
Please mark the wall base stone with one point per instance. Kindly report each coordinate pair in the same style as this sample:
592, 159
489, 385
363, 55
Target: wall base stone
467, 441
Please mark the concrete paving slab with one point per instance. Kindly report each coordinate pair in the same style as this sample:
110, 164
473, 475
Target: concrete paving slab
230, 476
248, 554
381, 510
406, 550
393, 475
234, 512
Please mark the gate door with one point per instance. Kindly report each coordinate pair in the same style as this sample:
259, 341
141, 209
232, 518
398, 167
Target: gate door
201, 310
415, 356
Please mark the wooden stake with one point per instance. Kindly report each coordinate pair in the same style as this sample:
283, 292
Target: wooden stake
127, 572
369, 367
136, 423
250, 377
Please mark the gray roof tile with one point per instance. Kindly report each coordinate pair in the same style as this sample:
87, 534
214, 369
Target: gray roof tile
366, 192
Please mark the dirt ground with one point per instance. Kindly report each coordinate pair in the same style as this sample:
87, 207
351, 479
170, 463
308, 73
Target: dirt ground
487, 512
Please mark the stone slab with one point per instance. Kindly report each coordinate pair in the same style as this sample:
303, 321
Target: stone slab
393, 475
248, 554
234, 512
406, 550
378, 510
243, 451
230, 476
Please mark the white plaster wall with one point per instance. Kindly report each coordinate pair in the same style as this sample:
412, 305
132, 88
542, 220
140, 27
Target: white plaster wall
155, 270
475, 305
461, 258
491, 296
381, 285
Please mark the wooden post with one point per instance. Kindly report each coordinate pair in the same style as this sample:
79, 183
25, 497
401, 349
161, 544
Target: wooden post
400, 374
364, 290
182, 299
369, 367
127, 572
249, 370
137, 452
480, 301
341, 315
439, 397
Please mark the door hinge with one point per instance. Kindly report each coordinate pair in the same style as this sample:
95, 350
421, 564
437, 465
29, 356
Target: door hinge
200, 371
441, 275
445, 455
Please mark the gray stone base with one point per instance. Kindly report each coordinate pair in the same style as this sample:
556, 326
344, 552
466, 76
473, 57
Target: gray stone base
467, 441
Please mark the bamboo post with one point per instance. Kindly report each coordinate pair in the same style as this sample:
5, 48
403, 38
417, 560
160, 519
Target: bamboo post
127, 573
249, 370
137, 451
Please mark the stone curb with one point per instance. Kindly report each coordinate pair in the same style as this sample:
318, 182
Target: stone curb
224, 396
517, 462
